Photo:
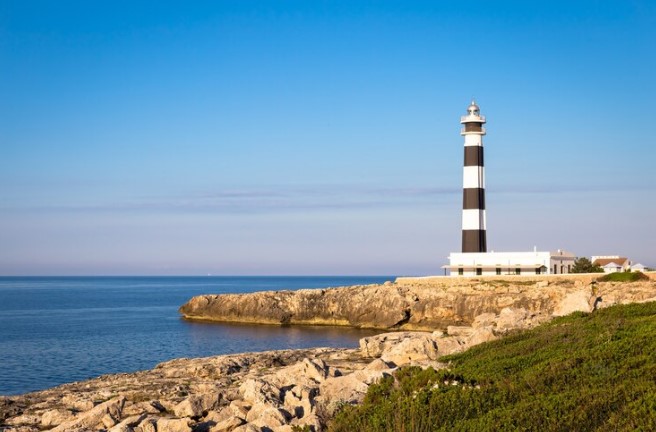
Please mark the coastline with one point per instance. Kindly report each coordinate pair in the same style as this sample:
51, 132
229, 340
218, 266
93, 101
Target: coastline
420, 304
276, 390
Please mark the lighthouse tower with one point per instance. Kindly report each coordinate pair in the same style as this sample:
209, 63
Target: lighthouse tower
473, 196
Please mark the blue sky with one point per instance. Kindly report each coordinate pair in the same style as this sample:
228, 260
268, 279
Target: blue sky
307, 137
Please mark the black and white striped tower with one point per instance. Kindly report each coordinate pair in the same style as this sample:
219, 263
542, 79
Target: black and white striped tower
473, 196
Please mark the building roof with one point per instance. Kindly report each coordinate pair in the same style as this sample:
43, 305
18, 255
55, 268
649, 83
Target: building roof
602, 262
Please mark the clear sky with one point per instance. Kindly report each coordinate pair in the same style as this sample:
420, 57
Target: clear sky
319, 137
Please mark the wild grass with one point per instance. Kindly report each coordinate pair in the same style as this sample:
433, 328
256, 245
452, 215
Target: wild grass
583, 372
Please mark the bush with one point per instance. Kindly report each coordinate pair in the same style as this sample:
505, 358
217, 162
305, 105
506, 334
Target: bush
583, 372
624, 277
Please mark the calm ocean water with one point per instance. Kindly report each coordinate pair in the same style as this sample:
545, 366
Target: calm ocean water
55, 330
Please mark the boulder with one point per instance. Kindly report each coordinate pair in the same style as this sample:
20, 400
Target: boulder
90, 419
108, 421
258, 391
511, 318
484, 320
77, 403
379, 365
247, 428
173, 425
416, 348
344, 389
266, 415
577, 301
55, 417
307, 372
147, 425
374, 346
197, 405
449, 345
481, 335
127, 424
227, 425
459, 330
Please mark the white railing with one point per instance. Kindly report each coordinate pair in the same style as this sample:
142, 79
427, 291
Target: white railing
472, 118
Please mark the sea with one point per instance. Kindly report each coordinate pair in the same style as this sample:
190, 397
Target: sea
55, 330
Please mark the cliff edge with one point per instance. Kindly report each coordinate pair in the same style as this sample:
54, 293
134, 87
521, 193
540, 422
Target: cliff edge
420, 303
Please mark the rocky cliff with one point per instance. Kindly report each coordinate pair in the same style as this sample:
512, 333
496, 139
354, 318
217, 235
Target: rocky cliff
417, 304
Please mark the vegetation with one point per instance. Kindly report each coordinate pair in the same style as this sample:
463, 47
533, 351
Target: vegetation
583, 372
584, 265
623, 277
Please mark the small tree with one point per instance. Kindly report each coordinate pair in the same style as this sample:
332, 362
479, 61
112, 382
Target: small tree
584, 265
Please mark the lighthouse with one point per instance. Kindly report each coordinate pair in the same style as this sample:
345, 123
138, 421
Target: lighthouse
475, 260
473, 184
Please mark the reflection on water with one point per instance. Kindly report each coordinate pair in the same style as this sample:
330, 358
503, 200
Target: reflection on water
234, 337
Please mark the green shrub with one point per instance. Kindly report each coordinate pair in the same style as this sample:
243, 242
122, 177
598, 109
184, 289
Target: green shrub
624, 277
583, 372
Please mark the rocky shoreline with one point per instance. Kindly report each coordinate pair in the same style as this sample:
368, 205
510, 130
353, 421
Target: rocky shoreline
287, 390
413, 303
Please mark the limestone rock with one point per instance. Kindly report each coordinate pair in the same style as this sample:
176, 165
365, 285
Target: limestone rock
449, 345
173, 425
77, 403
266, 415
310, 420
481, 335
23, 419
259, 391
379, 365
91, 418
374, 346
307, 372
459, 330
227, 425
344, 389
510, 319
127, 424
55, 417
418, 348
247, 428
484, 320
573, 302
410, 303
197, 405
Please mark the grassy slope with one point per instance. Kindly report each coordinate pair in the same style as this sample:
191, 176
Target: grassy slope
583, 372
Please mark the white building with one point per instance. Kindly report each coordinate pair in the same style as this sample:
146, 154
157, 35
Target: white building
612, 263
510, 263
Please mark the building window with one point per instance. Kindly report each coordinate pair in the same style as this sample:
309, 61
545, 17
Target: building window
479, 271
537, 270
569, 268
498, 271
555, 268
518, 271
460, 272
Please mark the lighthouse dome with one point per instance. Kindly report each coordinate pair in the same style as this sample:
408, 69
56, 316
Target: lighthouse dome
473, 109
